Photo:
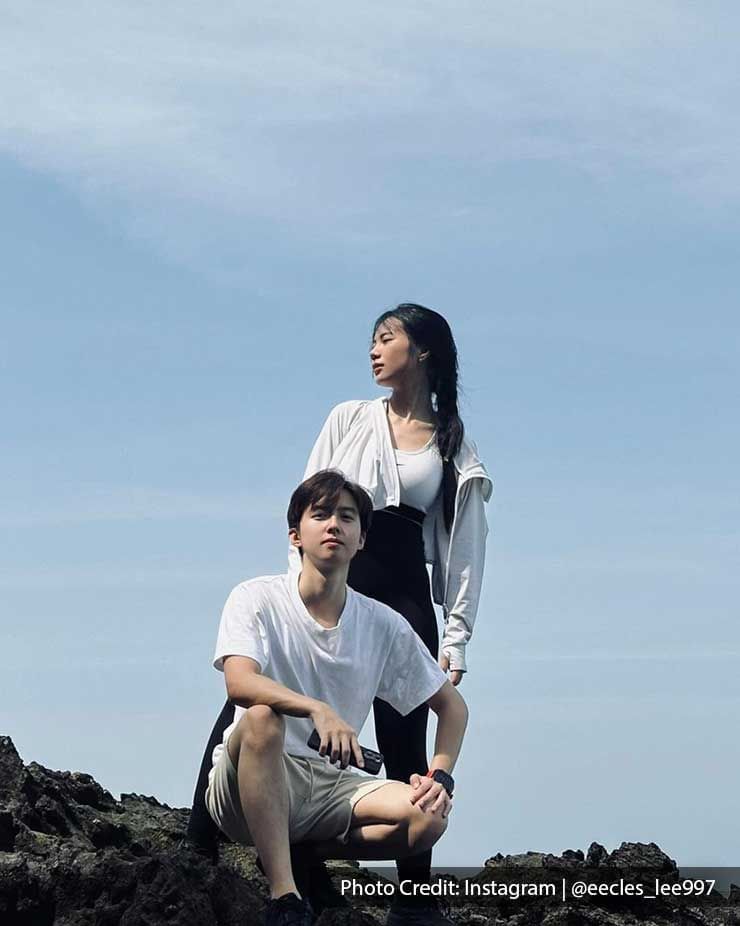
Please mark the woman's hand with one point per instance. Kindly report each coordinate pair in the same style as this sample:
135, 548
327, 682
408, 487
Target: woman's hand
455, 674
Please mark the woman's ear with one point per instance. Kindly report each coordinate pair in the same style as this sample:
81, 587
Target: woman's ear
423, 355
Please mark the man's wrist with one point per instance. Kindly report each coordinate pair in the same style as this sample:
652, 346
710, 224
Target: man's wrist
315, 707
444, 778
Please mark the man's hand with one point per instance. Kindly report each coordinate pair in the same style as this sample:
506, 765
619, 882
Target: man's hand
455, 674
338, 739
429, 795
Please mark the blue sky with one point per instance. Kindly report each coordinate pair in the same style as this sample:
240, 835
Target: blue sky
202, 217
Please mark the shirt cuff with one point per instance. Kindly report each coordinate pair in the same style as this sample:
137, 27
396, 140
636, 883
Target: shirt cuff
455, 652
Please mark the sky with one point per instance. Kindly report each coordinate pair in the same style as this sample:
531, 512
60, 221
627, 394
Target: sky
204, 212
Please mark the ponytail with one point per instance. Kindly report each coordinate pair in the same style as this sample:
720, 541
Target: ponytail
450, 429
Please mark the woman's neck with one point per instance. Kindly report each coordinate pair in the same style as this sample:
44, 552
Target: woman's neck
412, 403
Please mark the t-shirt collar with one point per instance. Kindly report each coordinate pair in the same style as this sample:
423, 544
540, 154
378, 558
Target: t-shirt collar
306, 615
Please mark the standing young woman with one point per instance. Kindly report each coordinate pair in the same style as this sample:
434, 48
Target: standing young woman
428, 488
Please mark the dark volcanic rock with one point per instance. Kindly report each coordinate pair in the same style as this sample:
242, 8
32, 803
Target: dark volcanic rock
596, 854
573, 855
71, 855
636, 865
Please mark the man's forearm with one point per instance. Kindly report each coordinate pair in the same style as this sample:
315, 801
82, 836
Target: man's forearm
258, 689
452, 718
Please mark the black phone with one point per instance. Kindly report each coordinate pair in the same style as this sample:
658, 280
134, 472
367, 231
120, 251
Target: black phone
373, 759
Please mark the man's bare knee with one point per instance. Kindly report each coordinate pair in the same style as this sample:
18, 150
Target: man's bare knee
260, 728
425, 829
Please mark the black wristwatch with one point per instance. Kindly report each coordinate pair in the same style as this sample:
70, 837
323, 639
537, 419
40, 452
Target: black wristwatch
444, 778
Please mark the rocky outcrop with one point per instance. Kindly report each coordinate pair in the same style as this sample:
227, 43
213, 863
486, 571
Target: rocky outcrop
72, 855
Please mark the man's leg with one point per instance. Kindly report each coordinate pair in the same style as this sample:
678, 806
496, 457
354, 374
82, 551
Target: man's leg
256, 749
386, 825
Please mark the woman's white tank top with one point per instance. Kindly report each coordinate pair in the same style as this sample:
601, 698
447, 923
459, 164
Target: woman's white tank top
420, 475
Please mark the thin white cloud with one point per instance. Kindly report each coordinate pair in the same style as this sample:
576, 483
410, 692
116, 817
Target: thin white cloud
318, 119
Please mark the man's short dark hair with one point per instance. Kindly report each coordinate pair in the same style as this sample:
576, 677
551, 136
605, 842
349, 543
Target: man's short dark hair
324, 488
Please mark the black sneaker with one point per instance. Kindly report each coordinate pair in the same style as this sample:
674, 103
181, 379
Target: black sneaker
417, 913
313, 880
315, 883
289, 910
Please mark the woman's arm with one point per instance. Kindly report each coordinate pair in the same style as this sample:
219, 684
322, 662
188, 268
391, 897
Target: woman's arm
467, 561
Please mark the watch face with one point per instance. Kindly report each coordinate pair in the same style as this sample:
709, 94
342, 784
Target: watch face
445, 779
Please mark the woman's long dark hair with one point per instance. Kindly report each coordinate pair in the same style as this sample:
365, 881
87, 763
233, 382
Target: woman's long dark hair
429, 331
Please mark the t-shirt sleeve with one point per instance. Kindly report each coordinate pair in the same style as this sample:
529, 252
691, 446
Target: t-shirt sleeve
410, 675
241, 631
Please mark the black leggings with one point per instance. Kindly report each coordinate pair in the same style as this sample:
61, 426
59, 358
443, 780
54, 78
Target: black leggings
391, 568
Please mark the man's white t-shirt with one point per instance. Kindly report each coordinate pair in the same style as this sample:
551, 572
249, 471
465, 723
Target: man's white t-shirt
372, 652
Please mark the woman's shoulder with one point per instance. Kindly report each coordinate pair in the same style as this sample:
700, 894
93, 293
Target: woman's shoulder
347, 412
469, 450
349, 406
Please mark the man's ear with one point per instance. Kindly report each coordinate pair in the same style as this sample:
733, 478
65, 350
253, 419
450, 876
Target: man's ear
294, 538
361, 544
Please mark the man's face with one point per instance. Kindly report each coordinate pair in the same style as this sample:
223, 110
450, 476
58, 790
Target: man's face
330, 537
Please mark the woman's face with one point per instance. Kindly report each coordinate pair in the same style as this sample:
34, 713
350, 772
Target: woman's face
393, 355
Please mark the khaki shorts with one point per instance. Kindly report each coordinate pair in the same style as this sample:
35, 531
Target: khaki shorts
321, 798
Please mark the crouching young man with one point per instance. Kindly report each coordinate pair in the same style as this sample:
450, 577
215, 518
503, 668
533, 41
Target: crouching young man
305, 651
